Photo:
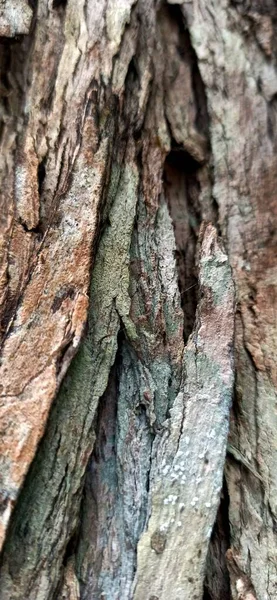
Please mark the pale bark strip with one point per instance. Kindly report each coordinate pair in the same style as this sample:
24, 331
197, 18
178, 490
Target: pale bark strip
188, 466
15, 17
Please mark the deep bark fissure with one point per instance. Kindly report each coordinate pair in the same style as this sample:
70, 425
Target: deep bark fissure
59, 4
180, 185
217, 581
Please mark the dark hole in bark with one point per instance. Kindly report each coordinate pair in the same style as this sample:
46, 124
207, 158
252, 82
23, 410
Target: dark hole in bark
37, 230
272, 119
7, 312
59, 3
181, 188
217, 582
132, 85
70, 548
5, 83
5, 87
41, 175
179, 159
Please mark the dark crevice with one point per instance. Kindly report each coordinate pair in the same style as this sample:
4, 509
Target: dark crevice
59, 3
37, 230
41, 175
132, 87
181, 191
7, 313
215, 213
62, 355
70, 548
217, 581
179, 159
188, 168
272, 120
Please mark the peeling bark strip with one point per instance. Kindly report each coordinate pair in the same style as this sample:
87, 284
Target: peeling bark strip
187, 478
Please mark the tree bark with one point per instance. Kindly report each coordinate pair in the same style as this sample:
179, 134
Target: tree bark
138, 300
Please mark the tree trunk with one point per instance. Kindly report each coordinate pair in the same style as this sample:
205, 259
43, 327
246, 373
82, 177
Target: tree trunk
138, 289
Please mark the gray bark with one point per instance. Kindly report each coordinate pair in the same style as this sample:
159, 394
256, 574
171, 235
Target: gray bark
138, 300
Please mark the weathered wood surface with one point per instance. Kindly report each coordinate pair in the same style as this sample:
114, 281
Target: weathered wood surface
127, 125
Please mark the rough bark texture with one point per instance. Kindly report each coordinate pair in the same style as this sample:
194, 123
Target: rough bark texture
139, 201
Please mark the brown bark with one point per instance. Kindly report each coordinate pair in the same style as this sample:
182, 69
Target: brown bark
138, 191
